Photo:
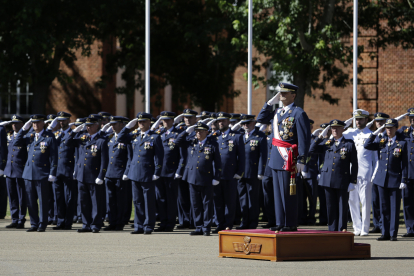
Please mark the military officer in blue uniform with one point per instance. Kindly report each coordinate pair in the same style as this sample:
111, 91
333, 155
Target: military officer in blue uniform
116, 179
64, 185
267, 185
214, 130
203, 171
92, 163
106, 117
3, 156
203, 115
40, 169
13, 171
390, 177
255, 148
338, 174
323, 212
52, 200
145, 168
290, 127
408, 192
167, 188
380, 119
232, 155
77, 216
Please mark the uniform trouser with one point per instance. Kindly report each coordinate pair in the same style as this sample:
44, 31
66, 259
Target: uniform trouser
91, 196
238, 215
185, 216
116, 196
261, 201
225, 195
408, 203
76, 211
3, 197
38, 190
361, 195
52, 212
17, 199
286, 205
268, 200
105, 203
143, 195
65, 201
376, 212
249, 202
323, 212
128, 199
390, 202
166, 190
337, 205
202, 206
309, 194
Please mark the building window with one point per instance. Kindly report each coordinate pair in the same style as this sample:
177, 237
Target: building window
16, 100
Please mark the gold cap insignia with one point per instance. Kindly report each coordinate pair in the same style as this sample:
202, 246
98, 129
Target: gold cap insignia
220, 114
140, 116
92, 116
14, 117
359, 112
88, 120
389, 121
199, 124
34, 117
281, 85
412, 111
335, 122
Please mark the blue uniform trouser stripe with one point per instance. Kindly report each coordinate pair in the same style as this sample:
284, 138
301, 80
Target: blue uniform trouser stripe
143, 195
286, 205
202, 205
38, 190
65, 201
225, 195
248, 189
390, 202
337, 205
166, 189
17, 199
91, 196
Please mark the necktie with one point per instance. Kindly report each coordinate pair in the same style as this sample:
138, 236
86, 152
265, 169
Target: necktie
142, 135
390, 143
201, 144
37, 136
336, 143
168, 132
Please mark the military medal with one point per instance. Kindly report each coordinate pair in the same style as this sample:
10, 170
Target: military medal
285, 137
343, 152
171, 143
94, 150
207, 151
290, 134
231, 145
253, 144
397, 152
43, 147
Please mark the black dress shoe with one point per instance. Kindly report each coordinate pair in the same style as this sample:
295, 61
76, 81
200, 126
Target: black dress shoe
84, 230
382, 238
196, 233
163, 229
110, 228
68, 227
41, 229
268, 225
119, 228
217, 230
132, 226
375, 230
206, 233
406, 235
276, 228
182, 226
95, 231
131, 221
12, 225
49, 222
393, 239
20, 226
31, 229
137, 232
289, 229
147, 232
54, 222
61, 227
79, 221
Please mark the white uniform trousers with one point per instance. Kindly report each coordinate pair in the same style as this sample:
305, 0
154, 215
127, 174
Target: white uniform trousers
361, 196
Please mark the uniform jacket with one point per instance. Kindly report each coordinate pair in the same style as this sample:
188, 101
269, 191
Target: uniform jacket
119, 155
268, 170
312, 160
147, 155
3, 147
297, 131
232, 155
203, 162
42, 154
66, 154
16, 159
392, 161
92, 161
172, 155
337, 171
184, 152
255, 149
410, 156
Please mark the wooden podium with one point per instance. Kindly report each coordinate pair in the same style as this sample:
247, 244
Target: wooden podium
285, 246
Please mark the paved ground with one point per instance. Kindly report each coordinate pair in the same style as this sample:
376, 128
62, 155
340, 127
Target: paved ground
119, 253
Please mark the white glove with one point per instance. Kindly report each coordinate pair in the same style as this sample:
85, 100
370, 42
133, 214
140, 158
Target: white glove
351, 187
379, 130
401, 116
324, 132
53, 124
215, 182
72, 124
260, 177
125, 177
236, 126
74, 175
1, 172
51, 178
370, 124
156, 124
375, 172
316, 132
79, 128
318, 177
403, 186
348, 122
132, 123
178, 118
27, 125
211, 122
205, 120
300, 167
257, 125
5, 123
236, 176
305, 175
177, 176
263, 128
106, 127
274, 100
155, 177
190, 129
99, 181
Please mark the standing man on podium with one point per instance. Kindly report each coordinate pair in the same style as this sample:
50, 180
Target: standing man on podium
291, 140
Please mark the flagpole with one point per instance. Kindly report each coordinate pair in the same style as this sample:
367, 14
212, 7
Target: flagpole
147, 57
355, 58
249, 57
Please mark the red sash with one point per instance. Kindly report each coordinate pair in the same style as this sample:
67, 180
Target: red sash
290, 164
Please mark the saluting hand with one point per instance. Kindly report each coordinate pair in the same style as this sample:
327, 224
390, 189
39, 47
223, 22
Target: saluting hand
274, 100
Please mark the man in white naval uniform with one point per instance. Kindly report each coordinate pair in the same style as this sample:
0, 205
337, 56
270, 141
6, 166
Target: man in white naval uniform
362, 193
